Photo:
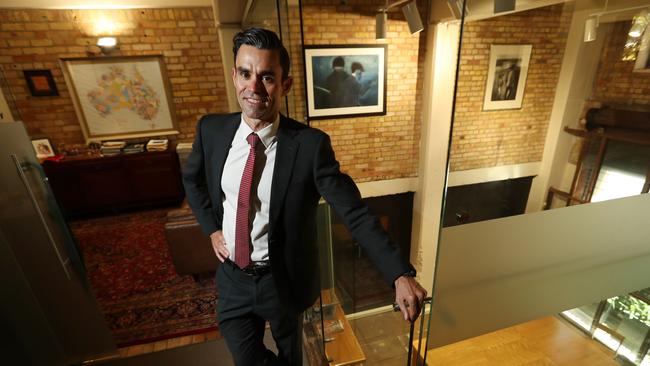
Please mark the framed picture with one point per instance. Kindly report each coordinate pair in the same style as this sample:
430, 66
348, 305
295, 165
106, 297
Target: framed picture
345, 80
121, 97
40, 83
43, 148
506, 79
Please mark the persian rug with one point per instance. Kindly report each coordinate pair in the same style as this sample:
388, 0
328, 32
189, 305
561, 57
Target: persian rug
131, 273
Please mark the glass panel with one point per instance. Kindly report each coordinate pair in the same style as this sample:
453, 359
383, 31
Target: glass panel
527, 88
522, 267
359, 284
583, 316
622, 323
358, 315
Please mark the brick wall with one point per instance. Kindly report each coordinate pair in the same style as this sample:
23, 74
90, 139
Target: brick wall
616, 84
296, 97
377, 147
36, 39
495, 138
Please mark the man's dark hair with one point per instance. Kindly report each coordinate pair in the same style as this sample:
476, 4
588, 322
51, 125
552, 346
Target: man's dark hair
338, 62
262, 39
356, 66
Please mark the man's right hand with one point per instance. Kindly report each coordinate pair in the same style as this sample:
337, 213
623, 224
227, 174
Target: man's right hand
219, 245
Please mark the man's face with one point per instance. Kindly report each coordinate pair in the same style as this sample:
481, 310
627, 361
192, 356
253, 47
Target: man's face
257, 76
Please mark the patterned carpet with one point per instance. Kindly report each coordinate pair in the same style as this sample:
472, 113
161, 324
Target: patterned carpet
132, 275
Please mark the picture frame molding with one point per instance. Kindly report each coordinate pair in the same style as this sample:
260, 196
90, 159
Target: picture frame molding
65, 66
345, 112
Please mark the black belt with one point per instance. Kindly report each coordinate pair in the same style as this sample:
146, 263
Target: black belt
254, 269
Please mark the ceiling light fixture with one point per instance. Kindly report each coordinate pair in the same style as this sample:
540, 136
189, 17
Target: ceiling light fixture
501, 6
380, 25
411, 14
413, 17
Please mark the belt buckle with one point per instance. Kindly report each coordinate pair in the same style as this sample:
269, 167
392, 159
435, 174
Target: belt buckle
257, 270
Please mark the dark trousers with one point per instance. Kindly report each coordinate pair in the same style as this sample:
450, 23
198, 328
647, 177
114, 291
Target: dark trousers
245, 304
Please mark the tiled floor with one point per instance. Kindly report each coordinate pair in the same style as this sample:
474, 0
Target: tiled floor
383, 338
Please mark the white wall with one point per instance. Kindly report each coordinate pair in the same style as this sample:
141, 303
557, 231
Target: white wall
5, 112
439, 76
226, 33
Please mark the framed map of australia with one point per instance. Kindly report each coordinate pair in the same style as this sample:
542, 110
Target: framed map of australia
120, 97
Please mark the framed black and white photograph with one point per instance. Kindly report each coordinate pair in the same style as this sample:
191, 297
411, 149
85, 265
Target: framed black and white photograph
345, 80
506, 81
43, 148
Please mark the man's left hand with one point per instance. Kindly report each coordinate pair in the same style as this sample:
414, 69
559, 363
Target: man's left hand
409, 295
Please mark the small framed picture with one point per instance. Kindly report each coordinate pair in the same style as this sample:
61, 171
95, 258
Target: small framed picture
40, 83
507, 72
345, 80
43, 148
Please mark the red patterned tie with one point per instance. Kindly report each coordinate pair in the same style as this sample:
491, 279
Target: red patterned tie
242, 226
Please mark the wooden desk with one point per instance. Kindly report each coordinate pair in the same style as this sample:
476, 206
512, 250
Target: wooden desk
344, 349
113, 183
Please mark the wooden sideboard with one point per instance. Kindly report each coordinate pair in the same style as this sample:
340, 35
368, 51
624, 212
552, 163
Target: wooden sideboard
111, 184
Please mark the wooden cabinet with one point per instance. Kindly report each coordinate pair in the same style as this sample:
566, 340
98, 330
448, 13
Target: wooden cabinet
110, 184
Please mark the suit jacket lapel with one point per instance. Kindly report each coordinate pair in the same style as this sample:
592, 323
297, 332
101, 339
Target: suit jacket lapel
222, 146
284, 158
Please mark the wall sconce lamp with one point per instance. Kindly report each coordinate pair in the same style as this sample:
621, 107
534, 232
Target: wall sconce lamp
107, 44
591, 28
411, 14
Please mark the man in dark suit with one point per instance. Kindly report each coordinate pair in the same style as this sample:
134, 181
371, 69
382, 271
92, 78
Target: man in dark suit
253, 180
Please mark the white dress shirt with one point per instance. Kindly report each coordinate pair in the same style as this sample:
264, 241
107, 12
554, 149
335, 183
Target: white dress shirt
260, 190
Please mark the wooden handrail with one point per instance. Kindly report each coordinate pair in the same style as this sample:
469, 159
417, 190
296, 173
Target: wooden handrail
564, 195
618, 134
